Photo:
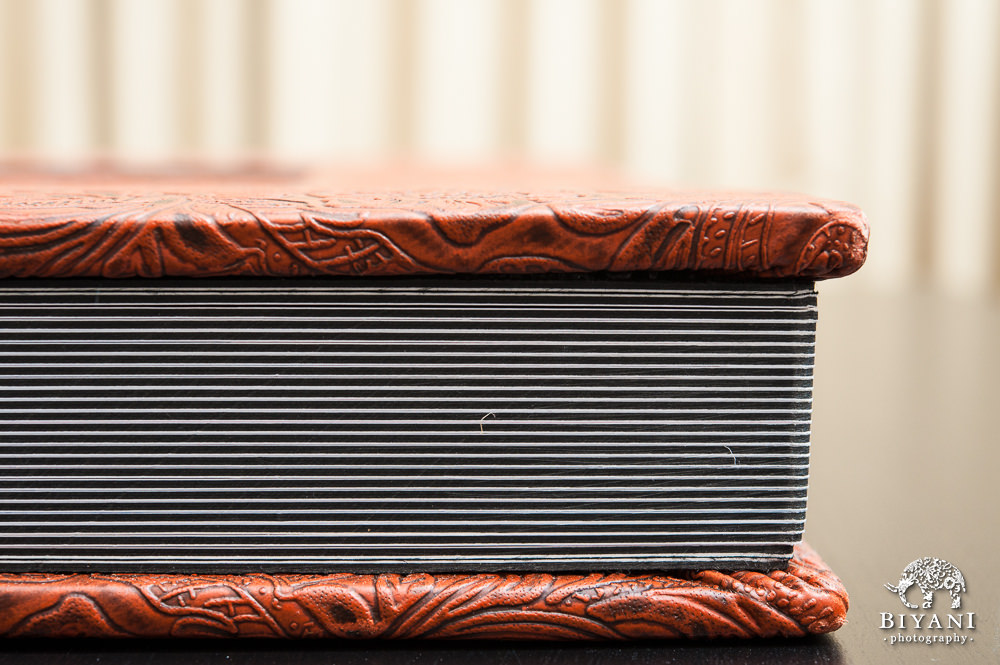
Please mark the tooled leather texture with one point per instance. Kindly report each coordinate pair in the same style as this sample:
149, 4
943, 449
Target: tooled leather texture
805, 598
125, 229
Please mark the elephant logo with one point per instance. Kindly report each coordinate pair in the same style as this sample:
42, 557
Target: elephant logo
930, 574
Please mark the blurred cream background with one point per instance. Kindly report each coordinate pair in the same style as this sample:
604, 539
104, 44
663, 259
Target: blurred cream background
890, 104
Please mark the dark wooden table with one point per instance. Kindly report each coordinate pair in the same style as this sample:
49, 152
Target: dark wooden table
905, 459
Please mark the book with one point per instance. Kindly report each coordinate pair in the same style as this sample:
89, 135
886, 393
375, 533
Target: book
408, 381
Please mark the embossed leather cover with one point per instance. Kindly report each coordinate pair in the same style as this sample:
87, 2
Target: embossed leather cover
806, 598
123, 226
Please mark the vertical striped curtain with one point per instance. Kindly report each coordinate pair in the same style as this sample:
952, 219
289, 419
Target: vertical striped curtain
891, 104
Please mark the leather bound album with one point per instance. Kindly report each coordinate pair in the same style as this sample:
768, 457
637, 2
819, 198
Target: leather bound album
294, 405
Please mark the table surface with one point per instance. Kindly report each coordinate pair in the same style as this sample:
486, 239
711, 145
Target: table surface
904, 466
